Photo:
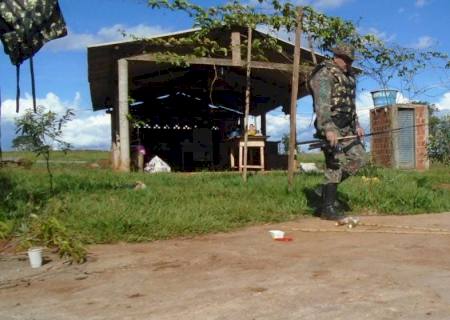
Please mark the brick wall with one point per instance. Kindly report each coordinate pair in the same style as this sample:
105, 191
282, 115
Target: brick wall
421, 113
381, 146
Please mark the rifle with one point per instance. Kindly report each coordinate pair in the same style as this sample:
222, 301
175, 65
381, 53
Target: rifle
319, 144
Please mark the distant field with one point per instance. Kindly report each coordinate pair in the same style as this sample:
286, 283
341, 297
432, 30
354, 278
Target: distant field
102, 206
76, 155
92, 155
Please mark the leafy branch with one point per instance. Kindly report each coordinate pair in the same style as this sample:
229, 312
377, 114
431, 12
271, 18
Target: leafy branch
379, 61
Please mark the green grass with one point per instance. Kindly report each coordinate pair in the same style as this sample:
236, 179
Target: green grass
316, 157
101, 206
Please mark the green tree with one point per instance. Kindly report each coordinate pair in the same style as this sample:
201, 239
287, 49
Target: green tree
23, 143
285, 143
380, 61
439, 139
40, 132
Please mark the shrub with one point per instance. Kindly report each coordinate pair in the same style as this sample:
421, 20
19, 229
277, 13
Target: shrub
6, 228
40, 131
439, 144
51, 233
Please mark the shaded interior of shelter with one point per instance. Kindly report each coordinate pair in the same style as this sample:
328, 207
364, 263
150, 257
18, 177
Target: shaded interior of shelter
187, 114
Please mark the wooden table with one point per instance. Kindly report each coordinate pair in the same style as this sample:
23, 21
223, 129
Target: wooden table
258, 142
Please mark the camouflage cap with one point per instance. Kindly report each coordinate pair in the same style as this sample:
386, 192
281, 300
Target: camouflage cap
344, 50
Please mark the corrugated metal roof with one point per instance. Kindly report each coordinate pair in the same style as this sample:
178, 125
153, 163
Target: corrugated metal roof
161, 35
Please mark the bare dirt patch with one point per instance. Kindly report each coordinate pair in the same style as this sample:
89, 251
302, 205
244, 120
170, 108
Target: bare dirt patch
371, 272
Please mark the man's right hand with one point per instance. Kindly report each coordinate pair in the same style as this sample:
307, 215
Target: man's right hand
332, 138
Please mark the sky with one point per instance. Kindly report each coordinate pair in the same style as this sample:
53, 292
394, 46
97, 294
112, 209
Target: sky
61, 66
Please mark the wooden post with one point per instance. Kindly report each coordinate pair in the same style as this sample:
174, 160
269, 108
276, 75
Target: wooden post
264, 133
247, 101
294, 95
124, 126
263, 124
236, 48
140, 161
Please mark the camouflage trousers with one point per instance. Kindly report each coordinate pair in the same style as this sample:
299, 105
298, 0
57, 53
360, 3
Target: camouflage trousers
344, 161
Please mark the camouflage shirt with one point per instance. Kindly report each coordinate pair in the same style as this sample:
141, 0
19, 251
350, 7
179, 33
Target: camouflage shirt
333, 94
26, 25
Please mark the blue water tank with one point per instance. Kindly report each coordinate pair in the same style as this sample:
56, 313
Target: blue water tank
384, 97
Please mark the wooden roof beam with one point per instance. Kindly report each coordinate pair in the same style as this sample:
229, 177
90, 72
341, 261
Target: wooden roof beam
150, 57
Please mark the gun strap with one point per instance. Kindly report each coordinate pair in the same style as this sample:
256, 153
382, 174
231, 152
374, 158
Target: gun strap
351, 145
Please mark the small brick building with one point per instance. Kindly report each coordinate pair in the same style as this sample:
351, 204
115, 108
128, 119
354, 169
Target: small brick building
405, 148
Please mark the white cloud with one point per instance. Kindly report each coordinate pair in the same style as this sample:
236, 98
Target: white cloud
79, 41
424, 42
51, 101
444, 102
364, 103
73, 41
278, 124
421, 3
402, 99
87, 130
379, 34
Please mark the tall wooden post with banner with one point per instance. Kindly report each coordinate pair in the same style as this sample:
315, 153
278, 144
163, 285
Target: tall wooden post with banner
294, 94
247, 101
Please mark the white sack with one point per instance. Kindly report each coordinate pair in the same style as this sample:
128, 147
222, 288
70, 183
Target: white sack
157, 165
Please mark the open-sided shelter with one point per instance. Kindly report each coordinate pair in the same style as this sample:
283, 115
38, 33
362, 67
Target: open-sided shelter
166, 109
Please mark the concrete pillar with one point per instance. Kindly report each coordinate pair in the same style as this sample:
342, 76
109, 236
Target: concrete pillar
124, 126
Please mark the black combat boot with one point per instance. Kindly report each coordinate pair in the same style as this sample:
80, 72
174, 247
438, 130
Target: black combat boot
329, 211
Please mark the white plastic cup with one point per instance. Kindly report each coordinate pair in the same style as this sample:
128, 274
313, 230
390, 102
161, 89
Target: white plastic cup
35, 256
277, 234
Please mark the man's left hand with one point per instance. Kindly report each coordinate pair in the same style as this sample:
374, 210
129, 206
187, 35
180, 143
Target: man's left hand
360, 133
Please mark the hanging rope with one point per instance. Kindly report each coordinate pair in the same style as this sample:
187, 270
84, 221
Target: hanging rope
33, 86
17, 87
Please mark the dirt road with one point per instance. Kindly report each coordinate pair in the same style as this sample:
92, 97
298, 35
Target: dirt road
364, 273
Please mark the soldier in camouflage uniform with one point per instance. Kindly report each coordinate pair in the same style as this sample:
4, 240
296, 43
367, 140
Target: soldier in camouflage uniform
333, 86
